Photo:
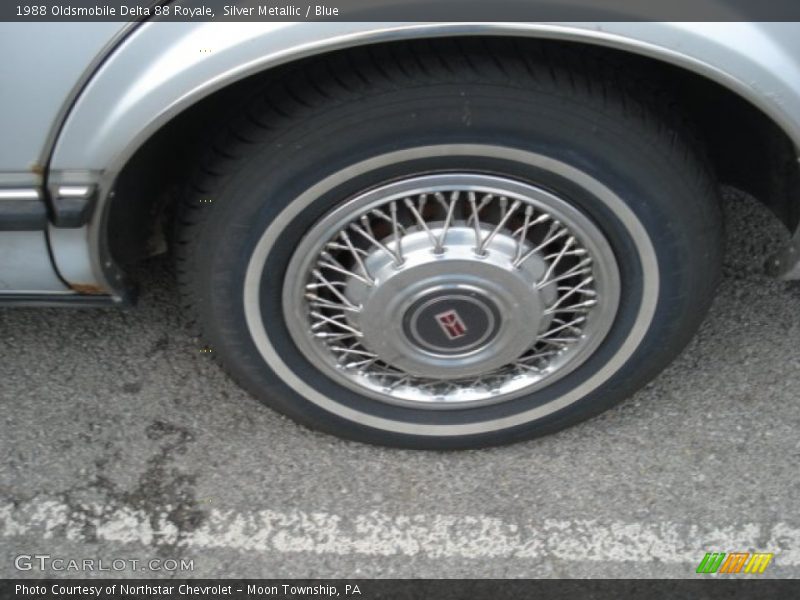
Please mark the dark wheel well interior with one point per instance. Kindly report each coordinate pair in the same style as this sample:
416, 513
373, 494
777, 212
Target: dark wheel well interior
746, 148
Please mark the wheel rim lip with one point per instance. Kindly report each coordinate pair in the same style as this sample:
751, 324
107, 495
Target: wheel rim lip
647, 302
605, 271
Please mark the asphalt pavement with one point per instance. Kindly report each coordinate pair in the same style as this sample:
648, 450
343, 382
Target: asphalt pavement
121, 441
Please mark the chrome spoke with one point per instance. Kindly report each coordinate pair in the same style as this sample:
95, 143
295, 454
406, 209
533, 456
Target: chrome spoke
437, 245
555, 232
357, 258
507, 212
366, 233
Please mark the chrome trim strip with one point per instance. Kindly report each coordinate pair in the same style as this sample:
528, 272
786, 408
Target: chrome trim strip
65, 191
20, 194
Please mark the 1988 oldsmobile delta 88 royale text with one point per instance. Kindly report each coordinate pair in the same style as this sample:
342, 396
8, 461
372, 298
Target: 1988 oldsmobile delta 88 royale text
188, 12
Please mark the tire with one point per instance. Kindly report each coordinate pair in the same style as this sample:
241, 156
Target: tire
470, 352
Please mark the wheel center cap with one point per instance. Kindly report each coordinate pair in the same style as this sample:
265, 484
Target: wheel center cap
452, 323
450, 314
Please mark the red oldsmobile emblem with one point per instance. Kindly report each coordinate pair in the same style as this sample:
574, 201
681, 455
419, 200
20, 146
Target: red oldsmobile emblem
451, 324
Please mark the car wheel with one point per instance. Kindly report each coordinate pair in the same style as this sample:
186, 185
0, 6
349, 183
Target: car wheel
451, 247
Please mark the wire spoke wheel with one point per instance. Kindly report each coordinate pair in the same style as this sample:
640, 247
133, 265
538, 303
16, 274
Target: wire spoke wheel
454, 289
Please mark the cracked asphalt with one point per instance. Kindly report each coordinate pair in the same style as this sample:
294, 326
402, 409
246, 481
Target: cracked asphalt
120, 440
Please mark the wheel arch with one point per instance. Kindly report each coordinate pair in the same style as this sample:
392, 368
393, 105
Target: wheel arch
139, 145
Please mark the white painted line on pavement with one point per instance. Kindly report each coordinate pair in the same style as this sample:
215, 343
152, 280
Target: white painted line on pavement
380, 534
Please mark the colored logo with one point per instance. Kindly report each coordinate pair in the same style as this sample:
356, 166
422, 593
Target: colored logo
451, 324
735, 562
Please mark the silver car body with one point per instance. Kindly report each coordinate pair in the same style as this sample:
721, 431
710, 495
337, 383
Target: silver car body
72, 117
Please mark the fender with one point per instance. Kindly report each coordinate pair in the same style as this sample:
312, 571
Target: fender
162, 68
